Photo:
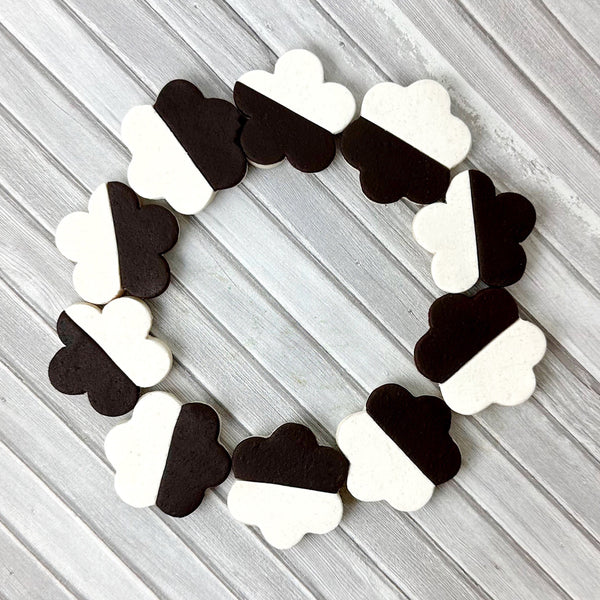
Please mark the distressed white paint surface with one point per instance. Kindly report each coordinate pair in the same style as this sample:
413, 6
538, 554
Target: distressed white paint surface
293, 297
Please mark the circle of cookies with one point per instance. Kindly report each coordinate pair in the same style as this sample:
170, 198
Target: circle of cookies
184, 148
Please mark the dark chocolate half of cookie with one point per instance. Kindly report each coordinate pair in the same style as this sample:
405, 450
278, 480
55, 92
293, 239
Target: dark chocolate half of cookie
274, 132
83, 366
208, 130
419, 427
390, 168
459, 327
143, 234
291, 456
501, 223
196, 461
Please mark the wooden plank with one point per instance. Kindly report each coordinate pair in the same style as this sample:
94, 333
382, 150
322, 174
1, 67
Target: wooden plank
530, 37
581, 20
188, 351
542, 286
205, 527
64, 542
22, 575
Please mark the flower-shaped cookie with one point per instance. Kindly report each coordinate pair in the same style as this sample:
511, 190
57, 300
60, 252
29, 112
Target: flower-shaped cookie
405, 142
480, 351
292, 113
109, 354
399, 448
168, 454
475, 234
287, 485
184, 148
118, 245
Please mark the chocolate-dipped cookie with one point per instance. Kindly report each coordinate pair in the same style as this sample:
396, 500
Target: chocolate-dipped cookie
405, 142
292, 113
184, 148
475, 234
168, 454
118, 245
399, 448
480, 351
108, 354
287, 485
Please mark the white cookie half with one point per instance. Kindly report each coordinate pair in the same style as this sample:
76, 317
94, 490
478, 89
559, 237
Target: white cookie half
500, 373
379, 469
297, 83
160, 167
88, 239
420, 116
122, 329
447, 230
138, 449
284, 514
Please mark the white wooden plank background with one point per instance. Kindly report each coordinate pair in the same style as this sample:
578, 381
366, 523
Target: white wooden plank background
293, 296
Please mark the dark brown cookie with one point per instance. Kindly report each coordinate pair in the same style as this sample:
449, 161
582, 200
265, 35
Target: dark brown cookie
501, 223
390, 168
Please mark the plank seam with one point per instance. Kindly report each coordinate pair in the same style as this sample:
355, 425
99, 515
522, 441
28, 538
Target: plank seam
534, 564
549, 496
568, 33
30, 308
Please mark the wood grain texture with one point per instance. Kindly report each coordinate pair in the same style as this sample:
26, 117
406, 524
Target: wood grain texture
293, 296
